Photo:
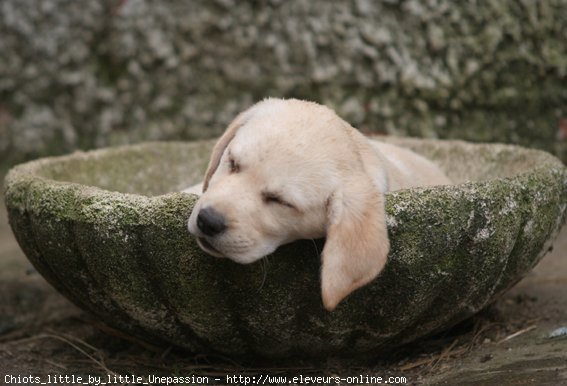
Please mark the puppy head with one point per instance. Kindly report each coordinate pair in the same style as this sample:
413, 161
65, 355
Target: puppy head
287, 170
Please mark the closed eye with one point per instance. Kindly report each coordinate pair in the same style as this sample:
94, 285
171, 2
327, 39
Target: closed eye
233, 166
273, 198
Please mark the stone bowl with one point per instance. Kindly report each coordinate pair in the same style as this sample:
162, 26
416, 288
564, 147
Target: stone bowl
105, 229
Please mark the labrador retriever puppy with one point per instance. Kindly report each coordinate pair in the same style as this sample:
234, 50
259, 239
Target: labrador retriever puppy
289, 169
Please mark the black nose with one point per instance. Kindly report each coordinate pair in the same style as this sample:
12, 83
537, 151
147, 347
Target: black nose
210, 222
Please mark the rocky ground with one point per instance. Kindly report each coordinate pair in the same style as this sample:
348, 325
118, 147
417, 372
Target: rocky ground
41, 333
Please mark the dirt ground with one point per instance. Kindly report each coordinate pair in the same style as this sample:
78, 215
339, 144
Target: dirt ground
42, 334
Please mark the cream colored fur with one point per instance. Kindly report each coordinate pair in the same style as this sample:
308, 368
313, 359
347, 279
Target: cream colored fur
290, 169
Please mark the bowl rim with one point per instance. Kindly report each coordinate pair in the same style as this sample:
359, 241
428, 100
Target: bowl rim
30, 172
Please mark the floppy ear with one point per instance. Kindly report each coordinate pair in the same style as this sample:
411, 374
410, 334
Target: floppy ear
221, 145
357, 242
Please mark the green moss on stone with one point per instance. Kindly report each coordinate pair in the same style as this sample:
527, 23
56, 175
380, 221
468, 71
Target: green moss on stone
108, 229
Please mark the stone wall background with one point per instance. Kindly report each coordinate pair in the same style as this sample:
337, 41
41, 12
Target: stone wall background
83, 74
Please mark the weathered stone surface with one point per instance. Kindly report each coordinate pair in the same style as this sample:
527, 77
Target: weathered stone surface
94, 73
103, 229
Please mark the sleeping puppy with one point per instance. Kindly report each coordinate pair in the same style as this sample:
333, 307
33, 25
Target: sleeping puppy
288, 169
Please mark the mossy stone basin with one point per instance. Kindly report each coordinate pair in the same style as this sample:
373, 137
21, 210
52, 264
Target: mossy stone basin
104, 228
